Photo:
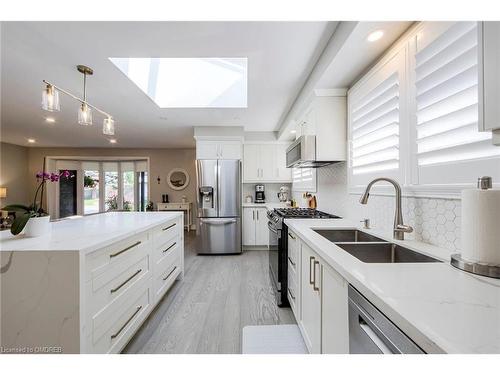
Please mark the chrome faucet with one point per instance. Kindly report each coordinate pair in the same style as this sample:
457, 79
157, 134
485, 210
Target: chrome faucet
399, 228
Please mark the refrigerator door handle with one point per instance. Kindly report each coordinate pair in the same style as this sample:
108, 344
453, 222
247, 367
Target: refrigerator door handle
218, 221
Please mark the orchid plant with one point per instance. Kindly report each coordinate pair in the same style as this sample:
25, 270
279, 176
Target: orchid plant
35, 209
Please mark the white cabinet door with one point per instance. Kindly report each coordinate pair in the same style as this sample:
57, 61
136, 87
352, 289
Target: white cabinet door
249, 223
267, 162
230, 150
261, 229
310, 322
207, 150
282, 172
251, 162
334, 312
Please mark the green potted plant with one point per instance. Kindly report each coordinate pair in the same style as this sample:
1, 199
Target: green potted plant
33, 218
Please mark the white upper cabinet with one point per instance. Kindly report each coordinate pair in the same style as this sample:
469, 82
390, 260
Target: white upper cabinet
489, 58
325, 118
265, 162
211, 149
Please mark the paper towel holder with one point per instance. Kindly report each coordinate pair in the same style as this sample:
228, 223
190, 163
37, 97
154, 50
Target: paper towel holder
483, 269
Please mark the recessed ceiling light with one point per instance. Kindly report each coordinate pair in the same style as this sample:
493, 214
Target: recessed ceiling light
375, 35
112, 141
31, 140
50, 119
293, 131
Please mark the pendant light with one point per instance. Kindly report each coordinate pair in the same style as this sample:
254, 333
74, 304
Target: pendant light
50, 99
85, 112
108, 126
50, 102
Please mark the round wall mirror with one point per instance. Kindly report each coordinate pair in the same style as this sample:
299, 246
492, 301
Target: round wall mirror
178, 179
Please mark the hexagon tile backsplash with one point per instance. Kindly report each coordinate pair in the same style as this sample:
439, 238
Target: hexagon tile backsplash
434, 220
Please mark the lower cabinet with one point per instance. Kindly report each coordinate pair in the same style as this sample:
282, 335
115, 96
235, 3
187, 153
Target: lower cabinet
255, 231
323, 312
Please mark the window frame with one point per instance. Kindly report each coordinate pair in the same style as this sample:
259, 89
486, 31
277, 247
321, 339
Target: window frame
52, 197
408, 146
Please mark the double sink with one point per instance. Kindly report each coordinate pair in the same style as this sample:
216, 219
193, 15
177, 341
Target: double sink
371, 249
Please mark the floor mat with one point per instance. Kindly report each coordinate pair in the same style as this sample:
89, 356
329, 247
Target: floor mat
273, 339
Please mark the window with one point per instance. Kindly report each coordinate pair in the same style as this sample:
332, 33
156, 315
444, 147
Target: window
110, 186
414, 116
91, 199
449, 147
101, 186
375, 108
304, 179
189, 82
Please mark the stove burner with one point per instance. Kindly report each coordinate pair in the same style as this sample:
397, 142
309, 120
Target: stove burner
303, 213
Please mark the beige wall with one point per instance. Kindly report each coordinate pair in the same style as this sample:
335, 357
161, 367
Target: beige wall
161, 162
14, 174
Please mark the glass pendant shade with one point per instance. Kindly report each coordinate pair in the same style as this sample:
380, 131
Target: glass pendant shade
50, 99
85, 115
108, 126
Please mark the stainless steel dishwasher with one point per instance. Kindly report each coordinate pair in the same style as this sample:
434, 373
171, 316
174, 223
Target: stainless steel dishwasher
371, 332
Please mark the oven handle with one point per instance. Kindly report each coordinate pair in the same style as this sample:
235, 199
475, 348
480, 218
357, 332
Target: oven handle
272, 228
269, 215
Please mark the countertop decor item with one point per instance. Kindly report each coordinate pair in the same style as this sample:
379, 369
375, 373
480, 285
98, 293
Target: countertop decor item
33, 218
480, 234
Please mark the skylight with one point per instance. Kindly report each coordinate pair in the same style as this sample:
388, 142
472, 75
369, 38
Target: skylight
189, 82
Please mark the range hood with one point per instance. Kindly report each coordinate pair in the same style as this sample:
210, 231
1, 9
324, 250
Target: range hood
302, 154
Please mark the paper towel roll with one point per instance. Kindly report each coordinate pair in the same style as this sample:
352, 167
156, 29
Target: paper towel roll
481, 226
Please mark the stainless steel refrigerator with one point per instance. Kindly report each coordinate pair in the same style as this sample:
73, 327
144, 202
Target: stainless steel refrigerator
218, 223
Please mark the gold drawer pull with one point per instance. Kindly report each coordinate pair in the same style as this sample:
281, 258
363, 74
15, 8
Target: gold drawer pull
170, 226
291, 261
127, 248
127, 322
291, 294
168, 248
291, 236
126, 281
171, 272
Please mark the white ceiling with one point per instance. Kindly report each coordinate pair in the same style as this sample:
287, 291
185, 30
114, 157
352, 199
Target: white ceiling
280, 57
358, 54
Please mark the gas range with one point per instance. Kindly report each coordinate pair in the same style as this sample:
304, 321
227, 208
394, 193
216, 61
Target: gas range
278, 245
278, 214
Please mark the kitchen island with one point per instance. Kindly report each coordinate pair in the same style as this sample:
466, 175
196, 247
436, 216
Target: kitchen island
90, 283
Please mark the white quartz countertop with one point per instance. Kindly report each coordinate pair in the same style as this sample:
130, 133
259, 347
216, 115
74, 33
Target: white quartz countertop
268, 205
441, 308
87, 233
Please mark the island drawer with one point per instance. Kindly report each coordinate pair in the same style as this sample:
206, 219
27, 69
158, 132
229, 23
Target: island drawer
165, 279
161, 253
101, 260
118, 279
165, 232
113, 327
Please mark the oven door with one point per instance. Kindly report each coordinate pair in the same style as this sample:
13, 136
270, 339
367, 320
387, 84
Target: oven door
274, 254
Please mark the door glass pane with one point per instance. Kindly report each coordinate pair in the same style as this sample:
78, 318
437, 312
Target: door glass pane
67, 195
90, 192
111, 190
128, 190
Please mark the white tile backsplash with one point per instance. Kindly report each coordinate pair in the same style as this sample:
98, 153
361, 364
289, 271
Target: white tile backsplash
271, 191
434, 220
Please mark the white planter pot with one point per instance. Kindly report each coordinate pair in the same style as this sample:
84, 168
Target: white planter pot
37, 226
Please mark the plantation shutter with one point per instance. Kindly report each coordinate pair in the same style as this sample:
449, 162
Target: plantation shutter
374, 123
449, 146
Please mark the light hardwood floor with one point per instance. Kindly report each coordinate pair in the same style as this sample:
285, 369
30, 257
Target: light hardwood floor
206, 312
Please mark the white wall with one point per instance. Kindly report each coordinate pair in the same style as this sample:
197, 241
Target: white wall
435, 221
14, 174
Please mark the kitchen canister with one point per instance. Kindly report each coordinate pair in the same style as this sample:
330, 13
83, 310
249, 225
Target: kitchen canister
480, 239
